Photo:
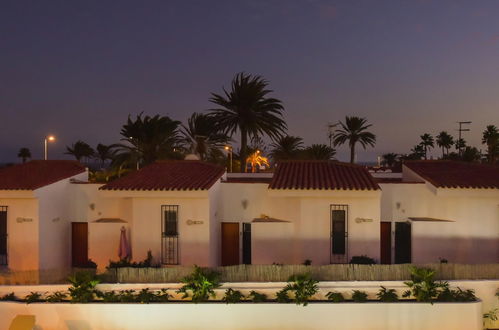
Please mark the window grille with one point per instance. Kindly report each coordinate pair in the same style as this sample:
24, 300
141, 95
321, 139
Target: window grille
169, 234
339, 233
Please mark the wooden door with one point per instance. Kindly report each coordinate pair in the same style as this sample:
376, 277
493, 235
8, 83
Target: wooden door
386, 243
230, 243
403, 243
79, 243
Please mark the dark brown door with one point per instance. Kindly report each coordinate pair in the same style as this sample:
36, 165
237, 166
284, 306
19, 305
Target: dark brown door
386, 242
403, 243
79, 243
230, 243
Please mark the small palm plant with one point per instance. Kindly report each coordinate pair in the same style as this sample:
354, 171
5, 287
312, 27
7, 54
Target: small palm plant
201, 284
303, 287
423, 286
335, 297
82, 288
359, 296
257, 297
387, 295
232, 296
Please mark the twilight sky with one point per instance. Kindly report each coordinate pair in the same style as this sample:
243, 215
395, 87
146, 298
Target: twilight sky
77, 69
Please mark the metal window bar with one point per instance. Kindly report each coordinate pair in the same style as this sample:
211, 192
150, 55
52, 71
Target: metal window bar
3, 236
338, 257
169, 235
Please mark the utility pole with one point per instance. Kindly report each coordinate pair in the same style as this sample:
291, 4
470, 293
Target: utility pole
461, 129
330, 132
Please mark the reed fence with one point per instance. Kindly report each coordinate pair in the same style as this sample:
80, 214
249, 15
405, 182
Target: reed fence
261, 273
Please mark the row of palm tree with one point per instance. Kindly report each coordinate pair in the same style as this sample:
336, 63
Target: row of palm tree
445, 141
247, 109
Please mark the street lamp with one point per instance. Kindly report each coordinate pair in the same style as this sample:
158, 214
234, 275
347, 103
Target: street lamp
49, 138
229, 149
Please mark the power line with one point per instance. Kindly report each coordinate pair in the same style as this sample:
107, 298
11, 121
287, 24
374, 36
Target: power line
461, 129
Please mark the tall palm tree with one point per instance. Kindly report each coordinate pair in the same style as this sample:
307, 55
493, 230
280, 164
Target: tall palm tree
103, 153
145, 140
24, 154
318, 152
390, 159
80, 150
287, 147
427, 142
460, 144
202, 137
444, 141
490, 137
354, 130
248, 109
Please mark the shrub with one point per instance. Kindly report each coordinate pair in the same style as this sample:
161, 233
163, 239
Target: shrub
232, 296
8, 297
362, 260
303, 287
422, 286
458, 295
282, 296
33, 297
82, 288
126, 296
359, 296
201, 283
146, 263
163, 295
387, 295
335, 297
307, 262
145, 296
89, 264
108, 296
56, 297
257, 297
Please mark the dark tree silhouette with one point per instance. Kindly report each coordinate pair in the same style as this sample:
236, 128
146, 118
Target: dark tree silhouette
353, 131
24, 154
80, 150
287, 147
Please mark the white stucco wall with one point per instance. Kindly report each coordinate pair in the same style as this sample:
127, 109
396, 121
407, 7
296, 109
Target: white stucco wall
471, 237
307, 235
22, 229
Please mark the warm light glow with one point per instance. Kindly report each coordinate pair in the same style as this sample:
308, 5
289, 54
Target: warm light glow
51, 138
255, 159
227, 147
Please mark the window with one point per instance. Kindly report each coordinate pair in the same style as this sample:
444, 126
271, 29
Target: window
169, 234
339, 232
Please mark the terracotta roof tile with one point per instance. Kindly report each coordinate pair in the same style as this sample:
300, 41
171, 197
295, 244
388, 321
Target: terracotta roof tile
38, 173
321, 175
170, 175
454, 174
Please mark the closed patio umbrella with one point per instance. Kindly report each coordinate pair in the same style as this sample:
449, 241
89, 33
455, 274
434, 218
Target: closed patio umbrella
124, 250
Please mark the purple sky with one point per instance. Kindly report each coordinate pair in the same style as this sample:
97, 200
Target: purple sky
77, 69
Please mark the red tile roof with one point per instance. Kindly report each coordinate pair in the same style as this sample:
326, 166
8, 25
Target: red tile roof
170, 175
310, 174
38, 173
453, 174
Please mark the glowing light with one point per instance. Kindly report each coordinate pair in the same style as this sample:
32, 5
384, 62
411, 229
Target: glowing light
51, 138
255, 159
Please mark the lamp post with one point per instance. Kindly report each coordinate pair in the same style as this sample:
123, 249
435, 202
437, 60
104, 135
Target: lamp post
48, 139
229, 150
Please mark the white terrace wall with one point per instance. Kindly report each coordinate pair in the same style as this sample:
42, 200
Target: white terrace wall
471, 237
22, 229
55, 223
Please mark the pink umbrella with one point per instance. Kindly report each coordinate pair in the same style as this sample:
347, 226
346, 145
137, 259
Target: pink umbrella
124, 251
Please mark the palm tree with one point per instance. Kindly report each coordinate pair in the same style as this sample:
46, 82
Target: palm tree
248, 109
445, 141
427, 143
202, 137
417, 152
354, 130
460, 144
103, 153
490, 137
145, 140
390, 159
471, 154
80, 150
24, 153
318, 152
287, 147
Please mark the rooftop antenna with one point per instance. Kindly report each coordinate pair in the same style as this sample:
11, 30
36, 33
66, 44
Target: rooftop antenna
461, 129
330, 132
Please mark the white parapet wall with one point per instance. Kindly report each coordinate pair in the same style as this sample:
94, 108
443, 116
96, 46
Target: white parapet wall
456, 316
